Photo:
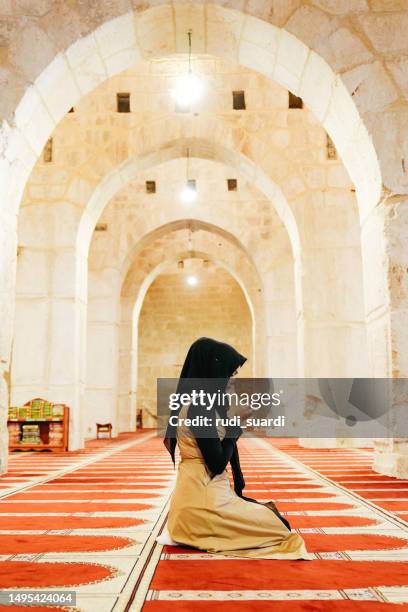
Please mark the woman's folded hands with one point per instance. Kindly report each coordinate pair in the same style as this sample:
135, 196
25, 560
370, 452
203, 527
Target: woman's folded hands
233, 432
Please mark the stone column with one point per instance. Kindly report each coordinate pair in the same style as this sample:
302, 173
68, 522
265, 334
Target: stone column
127, 368
388, 315
335, 334
102, 350
50, 315
8, 250
280, 320
335, 341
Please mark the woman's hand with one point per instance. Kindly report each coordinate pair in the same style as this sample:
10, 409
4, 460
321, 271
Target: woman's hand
233, 431
239, 484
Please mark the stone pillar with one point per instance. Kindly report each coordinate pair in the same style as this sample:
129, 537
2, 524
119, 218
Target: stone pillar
8, 250
386, 237
50, 316
335, 341
127, 368
280, 320
376, 293
102, 350
335, 334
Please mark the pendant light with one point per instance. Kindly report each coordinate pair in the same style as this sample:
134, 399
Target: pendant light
189, 191
189, 87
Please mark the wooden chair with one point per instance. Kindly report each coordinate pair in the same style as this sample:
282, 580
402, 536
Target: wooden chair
139, 419
104, 428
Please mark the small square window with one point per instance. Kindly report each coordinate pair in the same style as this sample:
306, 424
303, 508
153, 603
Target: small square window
191, 183
232, 184
47, 153
150, 186
295, 101
238, 100
101, 227
331, 151
123, 102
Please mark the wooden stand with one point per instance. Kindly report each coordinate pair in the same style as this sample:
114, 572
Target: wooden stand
139, 419
59, 414
103, 428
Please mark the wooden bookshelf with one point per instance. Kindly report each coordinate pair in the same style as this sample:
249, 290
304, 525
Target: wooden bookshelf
38, 425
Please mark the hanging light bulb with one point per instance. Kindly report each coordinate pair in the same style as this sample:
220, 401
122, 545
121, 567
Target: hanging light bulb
189, 87
189, 191
192, 281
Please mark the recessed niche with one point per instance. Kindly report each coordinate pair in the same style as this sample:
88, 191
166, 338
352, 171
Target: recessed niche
48, 150
101, 227
294, 101
331, 151
238, 100
123, 102
150, 186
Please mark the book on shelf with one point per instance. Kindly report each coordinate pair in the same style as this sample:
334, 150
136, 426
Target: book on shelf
14, 433
30, 434
47, 410
37, 410
13, 413
56, 434
22, 412
58, 410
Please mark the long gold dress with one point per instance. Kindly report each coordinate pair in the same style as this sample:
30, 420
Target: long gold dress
207, 514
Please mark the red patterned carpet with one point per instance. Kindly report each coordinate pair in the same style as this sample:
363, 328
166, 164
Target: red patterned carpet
80, 520
361, 552
88, 521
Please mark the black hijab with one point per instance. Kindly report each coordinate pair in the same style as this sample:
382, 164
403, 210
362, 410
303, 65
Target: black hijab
208, 359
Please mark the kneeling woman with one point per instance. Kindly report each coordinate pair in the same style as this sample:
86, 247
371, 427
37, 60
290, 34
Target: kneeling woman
205, 512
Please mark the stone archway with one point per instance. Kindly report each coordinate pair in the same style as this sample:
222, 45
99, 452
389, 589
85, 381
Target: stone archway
230, 33
161, 268
77, 315
115, 332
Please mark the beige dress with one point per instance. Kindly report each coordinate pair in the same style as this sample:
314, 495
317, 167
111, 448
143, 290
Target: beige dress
207, 514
